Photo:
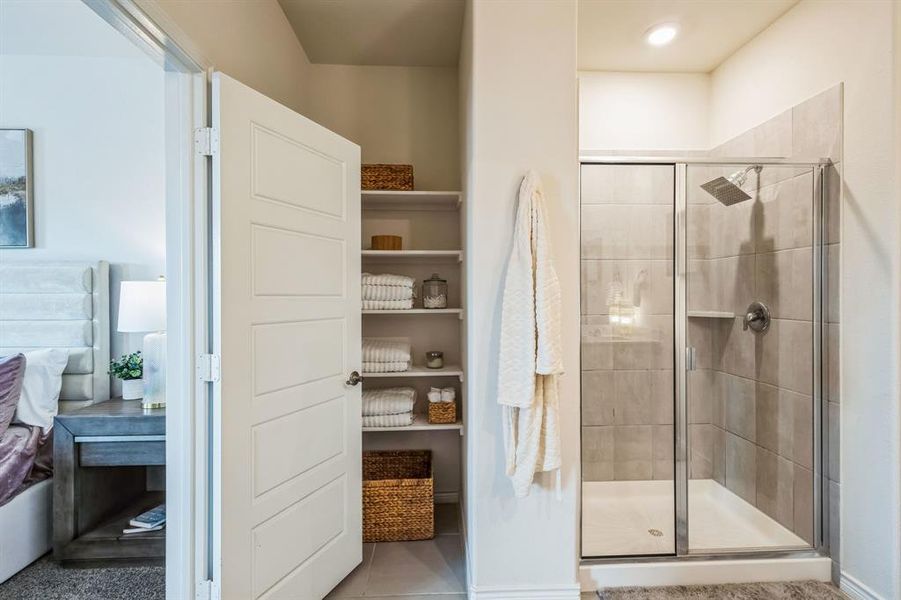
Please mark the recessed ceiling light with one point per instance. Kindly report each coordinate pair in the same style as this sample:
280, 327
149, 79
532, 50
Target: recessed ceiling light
661, 35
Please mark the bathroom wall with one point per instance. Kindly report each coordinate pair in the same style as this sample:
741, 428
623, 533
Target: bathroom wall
757, 389
627, 322
643, 111
814, 46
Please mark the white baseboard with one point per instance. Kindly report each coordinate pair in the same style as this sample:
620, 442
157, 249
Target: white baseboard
857, 590
696, 572
556, 592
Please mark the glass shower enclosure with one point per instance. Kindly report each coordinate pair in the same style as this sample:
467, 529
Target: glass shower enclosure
701, 298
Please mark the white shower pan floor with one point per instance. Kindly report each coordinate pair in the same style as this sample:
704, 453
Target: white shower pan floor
621, 518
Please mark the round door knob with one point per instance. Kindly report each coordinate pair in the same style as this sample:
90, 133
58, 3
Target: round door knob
354, 378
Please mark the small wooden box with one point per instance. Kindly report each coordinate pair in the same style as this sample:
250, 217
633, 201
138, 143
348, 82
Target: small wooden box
387, 242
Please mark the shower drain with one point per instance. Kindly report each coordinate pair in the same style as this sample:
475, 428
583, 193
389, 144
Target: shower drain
655, 532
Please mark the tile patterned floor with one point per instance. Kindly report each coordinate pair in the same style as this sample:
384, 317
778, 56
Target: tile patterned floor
428, 570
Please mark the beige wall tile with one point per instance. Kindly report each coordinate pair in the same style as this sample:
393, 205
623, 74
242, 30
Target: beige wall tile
775, 487
803, 503
785, 355
740, 400
735, 283
834, 462
802, 428
731, 229
633, 443
817, 131
627, 184
784, 217
784, 282
736, 349
598, 398
834, 491
632, 470
701, 444
663, 442
833, 209
597, 453
657, 354
741, 467
833, 373
701, 390
719, 454
833, 283
597, 350
775, 419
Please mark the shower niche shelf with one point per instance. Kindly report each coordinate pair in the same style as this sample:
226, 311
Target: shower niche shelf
710, 314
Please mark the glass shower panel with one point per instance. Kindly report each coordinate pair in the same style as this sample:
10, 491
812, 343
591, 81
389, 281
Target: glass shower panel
628, 406
750, 233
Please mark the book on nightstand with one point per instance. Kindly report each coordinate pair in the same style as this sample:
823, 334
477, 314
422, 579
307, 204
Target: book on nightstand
153, 518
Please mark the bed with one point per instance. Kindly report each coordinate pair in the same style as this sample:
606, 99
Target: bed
61, 305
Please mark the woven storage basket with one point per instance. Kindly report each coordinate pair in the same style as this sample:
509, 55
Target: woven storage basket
398, 496
442, 412
387, 177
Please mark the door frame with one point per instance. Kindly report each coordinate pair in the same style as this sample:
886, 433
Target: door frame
188, 458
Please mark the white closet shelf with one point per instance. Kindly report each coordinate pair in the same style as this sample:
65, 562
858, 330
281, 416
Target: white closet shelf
410, 200
413, 255
417, 311
421, 371
420, 423
710, 314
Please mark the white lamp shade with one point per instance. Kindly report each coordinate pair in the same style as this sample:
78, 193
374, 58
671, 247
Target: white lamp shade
142, 306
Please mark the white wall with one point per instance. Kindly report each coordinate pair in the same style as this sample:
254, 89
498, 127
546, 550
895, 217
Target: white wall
518, 74
643, 111
396, 114
95, 104
251, 41
813, 47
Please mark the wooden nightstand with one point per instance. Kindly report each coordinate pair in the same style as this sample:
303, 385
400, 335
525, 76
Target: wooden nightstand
100, 455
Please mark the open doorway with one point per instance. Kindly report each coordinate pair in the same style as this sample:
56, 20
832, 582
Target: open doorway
96, 291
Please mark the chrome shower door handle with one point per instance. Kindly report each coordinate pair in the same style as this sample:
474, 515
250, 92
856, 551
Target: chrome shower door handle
354, 378
757, 318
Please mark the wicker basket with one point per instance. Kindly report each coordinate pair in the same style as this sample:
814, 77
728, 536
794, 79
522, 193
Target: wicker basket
387, 177
387, 242
398, 496
442, 412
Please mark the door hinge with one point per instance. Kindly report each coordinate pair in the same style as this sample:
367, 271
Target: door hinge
206, 141
208, 367
206, 590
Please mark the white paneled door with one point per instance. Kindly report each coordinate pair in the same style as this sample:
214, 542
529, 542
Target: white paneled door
286, 240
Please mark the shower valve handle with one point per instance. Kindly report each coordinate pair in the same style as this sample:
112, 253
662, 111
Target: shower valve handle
757, 318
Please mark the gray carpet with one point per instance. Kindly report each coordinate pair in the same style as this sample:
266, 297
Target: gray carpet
45, 580
801, 590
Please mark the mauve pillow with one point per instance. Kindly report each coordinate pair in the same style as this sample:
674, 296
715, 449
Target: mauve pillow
12, 370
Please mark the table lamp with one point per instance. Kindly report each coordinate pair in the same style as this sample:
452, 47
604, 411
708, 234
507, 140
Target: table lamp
142, 308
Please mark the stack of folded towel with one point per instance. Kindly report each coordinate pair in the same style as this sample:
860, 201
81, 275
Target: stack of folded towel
388, 407
387, 292
385, 356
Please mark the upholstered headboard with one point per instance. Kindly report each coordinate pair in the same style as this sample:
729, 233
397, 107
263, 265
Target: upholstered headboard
60, 305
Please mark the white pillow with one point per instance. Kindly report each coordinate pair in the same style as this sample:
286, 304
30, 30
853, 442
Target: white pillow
39, 401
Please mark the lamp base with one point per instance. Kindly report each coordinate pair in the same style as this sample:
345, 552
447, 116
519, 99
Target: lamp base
154, 370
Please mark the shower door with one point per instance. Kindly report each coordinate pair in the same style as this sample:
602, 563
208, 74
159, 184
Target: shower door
752, 368
701, 357
628, 488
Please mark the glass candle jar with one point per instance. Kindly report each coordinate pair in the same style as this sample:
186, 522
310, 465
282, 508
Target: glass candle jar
434, 292
434, 359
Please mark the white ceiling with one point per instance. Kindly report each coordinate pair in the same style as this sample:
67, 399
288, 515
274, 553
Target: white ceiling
378, 32
611, 32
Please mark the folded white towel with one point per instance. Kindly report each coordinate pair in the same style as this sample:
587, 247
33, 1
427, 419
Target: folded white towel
387, 279
388, 304
388, 401
386, 367
447, 394
381, 350
386, 292
400, 420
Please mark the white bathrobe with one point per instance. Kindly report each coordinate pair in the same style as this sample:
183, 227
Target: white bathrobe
530, 349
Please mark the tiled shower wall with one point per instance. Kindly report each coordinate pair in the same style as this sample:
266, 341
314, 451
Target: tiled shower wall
758, 389
751, 406
627, 372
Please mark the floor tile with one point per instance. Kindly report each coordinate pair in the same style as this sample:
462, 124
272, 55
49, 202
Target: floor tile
354, 585
447, 518
796, 590
420, 597
428, 567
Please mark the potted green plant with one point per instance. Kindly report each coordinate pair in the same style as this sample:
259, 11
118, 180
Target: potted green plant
130, 369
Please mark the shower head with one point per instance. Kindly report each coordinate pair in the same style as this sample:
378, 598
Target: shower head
727, 190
